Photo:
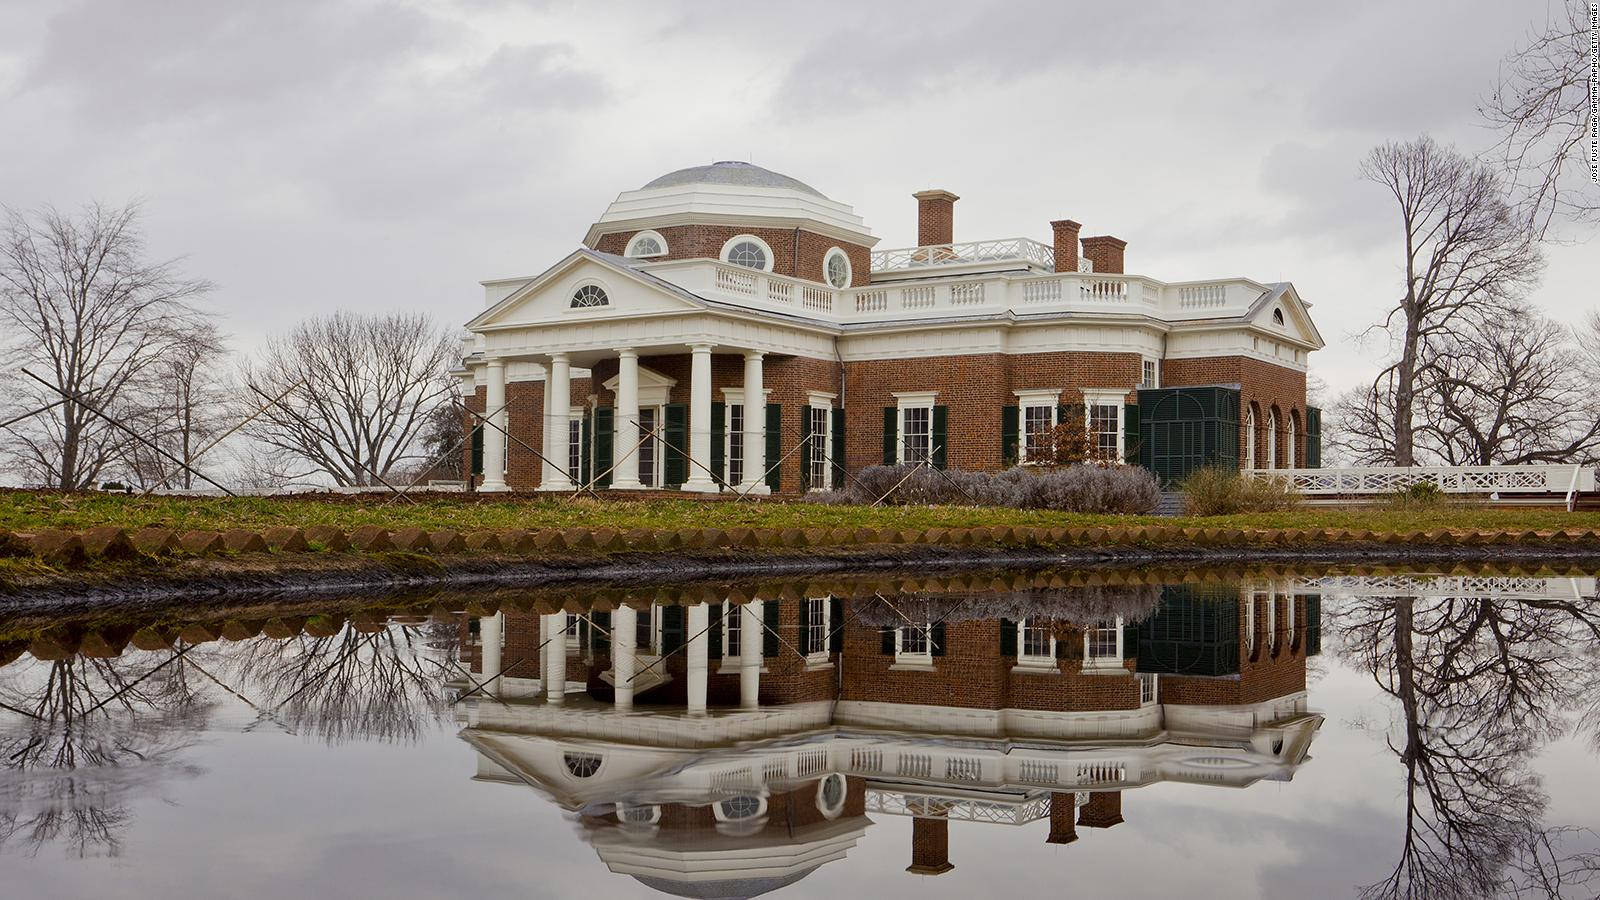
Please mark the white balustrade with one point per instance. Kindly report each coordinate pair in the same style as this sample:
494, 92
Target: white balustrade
1024, 249
966, 293
736, 282
1370, 480
1046, 290
816, 298
872, 301
919, 297
779, 291
1103, 291
1202, 296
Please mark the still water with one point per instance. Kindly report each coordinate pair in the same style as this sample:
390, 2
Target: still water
1195, 734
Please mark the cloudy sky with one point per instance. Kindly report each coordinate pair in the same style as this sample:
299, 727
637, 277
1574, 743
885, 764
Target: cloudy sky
306, 155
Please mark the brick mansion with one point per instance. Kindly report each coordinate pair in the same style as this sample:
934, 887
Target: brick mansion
728, 328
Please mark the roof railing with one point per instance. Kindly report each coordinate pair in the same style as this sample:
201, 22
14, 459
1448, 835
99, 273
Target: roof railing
966, 253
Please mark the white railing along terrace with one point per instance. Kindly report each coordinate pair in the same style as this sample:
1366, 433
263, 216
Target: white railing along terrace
1566, 480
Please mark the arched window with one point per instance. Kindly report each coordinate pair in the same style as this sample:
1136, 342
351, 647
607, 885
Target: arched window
830, 795
749, 251
744, 806
1289, 444
1250, 437
836, 268
646, 243
1272, 438
590, 295
1277, 317
581, 765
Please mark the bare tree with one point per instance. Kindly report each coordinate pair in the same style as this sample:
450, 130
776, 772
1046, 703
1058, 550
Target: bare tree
80, 304
1358, 428
1511, 392
1465, 251
358, 390
1541, 109
185, 411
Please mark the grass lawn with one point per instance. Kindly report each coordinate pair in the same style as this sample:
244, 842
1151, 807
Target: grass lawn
28, 511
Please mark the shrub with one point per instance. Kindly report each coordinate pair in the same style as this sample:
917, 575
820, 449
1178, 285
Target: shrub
1087, 487
1222, 492
1417, 495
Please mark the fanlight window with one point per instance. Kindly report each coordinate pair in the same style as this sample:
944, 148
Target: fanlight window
1277, 316
748, 254
646, 245
838, 269
590, 295
743, 806
581, 765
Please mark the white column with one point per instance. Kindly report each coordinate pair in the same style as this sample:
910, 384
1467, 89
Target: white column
494, 440
489, 652
555, 672
699, 657
624, 629
700, 420
751, 640
626, 474
546, 471
755, 428
557, 417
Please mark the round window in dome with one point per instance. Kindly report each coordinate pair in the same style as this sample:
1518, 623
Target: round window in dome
581, 765
836, 265
748, 251
830, 795
590, 295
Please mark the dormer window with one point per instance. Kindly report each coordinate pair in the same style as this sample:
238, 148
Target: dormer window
836, 266
646, 244
748, 251
588, 296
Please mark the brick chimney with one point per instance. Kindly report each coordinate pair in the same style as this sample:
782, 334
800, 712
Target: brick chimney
1104, 808
1066, 232
1063, 830
936, 217
1105, 252
930, 847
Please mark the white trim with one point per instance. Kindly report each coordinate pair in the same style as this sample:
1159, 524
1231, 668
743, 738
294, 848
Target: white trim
1027, 662
1103, 665
1250, 436
905, 399
849, 272
904, 660
909, 400
737, 239
822, 399
1048, 398
832, 811
598, 284
817, 659
1115, 397
646, 233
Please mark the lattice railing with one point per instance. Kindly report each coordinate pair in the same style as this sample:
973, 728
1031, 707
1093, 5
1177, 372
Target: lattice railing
1498, 587
1531, 479
969, 252
962, 809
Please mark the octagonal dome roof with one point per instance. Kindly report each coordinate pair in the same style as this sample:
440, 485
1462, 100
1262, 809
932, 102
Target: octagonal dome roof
734, 173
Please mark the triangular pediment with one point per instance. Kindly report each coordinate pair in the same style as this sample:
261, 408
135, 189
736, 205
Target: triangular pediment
1282, 312
605, 290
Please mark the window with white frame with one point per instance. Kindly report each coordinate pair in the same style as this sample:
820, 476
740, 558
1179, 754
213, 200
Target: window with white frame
573, 642
735, 454
646, 244
1036, 414
748, 251
818, 453
647, 631
1105, 429
1289, 464
1102, 645
836, 268
1147, 688
916, 434
1036, 643
913, 645
817, 627
732, 630
575, 449
1152, 375
590, 295
1272, 439
1250, 621
1250, 437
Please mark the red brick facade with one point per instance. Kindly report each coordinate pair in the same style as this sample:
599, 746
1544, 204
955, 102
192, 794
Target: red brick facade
796, 252
1262, 387
1106, 252
936, 217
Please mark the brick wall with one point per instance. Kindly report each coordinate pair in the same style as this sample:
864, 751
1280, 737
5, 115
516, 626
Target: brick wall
1262, 385
936, 215
796, 252
1264, 674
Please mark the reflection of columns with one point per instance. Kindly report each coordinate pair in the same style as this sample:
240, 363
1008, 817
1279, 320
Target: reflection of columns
699, 657
626, 473
930, 846
755, 427
1063, 828
555, 670
494, 440
699, 420
1103, 810
557, 415
624, 634
750, 643
489, 652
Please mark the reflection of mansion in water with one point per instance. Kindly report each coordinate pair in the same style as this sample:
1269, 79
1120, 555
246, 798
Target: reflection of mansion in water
721, 749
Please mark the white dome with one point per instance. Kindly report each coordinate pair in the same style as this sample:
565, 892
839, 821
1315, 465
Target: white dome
735, 173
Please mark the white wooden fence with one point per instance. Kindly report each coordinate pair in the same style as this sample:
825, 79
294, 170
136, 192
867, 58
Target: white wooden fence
1368, 481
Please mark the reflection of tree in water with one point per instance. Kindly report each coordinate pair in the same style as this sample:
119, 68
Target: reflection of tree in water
1481, 684
387, 685
83, 738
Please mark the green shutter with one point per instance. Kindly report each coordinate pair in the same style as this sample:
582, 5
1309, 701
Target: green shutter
1130, 641
714, 635
1008, 638
774, 445
941, 436
1130, 432
676, 467
671, 629
805, 624
601, 631
835, 625
605, 436
1010, 435
805, 448
838, 449
477, 450
891, 443
769, 630
719, 429
1313, 438
586, 448
886, 637
936, 639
